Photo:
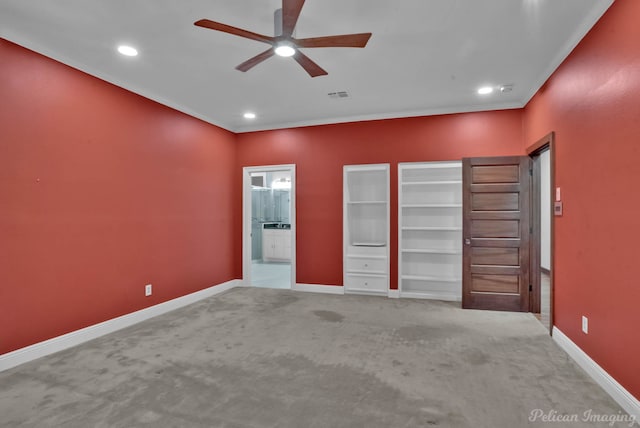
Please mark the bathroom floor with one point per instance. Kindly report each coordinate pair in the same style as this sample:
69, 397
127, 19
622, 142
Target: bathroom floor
270, 274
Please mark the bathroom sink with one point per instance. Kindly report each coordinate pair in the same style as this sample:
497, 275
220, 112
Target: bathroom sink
277, 226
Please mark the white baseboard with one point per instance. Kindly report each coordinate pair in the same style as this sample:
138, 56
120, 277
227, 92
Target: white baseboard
69, 340
318, 288
447, 297
394, 294
621, 396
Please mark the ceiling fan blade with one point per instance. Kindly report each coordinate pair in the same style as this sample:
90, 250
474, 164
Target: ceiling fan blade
212, 25
344, 41
252, 62
309, 66
290, 13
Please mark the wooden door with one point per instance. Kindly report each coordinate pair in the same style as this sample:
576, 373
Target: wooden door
496, 232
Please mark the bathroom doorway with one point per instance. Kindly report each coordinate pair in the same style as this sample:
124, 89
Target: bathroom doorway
269, 226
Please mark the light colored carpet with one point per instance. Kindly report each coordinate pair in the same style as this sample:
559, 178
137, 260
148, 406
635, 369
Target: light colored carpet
278, 358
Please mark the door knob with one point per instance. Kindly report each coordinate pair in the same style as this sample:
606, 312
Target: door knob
467, 241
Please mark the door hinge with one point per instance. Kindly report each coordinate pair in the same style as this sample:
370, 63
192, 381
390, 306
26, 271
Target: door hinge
530, 288
531, 229
531, 172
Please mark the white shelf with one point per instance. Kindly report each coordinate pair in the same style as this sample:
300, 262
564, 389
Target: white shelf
365, 256
431, 205
429, 278
433, 228
449, 297
429, 183
366, 202
430, 251
430, 230
366, 229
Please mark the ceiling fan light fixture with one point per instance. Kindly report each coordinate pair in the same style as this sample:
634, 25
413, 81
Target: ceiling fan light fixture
285, 50
127, 50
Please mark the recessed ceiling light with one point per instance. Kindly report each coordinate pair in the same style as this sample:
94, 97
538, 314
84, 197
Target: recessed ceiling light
127, 50
285, 50
485, 90
249, 115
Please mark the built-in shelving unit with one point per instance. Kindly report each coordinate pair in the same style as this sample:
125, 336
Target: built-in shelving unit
366, 229
430, 230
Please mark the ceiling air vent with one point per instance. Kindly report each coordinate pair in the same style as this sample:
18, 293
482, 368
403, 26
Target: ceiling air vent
338, 95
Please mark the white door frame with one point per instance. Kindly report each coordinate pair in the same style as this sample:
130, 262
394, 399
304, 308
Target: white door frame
246, 218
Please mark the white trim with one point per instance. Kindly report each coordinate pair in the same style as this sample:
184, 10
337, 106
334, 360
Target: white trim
621, 396
421, 112
319, 288
394, 294
69, 340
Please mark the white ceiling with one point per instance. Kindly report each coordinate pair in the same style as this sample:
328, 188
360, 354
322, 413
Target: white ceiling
425, 56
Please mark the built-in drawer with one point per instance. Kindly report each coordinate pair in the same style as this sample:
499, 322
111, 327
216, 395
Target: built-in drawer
359, 250
366, 283
367, 265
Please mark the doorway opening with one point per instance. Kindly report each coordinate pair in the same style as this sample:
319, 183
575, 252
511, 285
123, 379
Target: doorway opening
542, 155
269, 226
508, 232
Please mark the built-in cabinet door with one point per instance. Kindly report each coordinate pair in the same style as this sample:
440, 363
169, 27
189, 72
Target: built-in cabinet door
496, 231
286, 246
276, 245
279, 245
268, 245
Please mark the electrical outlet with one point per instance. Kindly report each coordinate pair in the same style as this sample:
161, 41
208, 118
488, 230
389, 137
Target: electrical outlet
585, 325
148, 290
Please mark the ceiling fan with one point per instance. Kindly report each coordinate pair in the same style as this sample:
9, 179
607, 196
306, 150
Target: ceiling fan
284, 43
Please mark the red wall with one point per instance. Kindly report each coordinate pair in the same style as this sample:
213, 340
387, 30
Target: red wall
592, 102
320, 152
102, 192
